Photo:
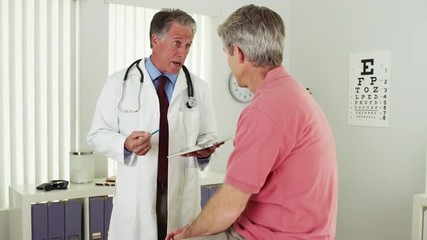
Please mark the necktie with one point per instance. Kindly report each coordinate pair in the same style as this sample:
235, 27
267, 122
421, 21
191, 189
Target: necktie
162, 170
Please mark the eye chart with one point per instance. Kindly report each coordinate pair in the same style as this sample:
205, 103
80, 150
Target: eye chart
369, 89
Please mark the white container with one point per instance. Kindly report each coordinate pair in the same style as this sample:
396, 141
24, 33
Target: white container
82, 166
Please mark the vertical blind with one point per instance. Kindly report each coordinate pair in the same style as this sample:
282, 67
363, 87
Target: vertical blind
129, 40
37, 90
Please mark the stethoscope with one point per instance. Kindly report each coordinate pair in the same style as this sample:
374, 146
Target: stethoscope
192, 102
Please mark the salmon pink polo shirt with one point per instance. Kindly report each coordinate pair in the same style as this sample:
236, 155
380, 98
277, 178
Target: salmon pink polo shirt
284, 155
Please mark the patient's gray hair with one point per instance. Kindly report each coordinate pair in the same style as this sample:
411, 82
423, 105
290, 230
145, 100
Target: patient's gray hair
258, 31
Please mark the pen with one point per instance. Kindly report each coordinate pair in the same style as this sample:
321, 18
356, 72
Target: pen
155, 132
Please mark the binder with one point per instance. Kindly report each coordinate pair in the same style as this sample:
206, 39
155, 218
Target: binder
207, 192
205, 195
73, 220
213, 189
56, 220
39, 229
108, 207
96, 218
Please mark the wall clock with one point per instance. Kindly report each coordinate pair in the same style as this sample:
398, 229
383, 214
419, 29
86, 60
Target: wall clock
240, 94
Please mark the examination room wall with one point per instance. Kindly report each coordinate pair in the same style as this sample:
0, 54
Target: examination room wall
379, 168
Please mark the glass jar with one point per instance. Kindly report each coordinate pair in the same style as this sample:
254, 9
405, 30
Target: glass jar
82, 166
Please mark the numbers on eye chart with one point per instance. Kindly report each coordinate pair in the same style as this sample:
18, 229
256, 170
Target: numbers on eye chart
369, 89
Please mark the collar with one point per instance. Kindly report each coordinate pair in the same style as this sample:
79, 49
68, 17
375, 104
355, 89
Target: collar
155, 73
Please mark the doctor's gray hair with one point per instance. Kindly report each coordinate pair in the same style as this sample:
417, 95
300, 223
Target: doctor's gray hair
258, 31
163, 20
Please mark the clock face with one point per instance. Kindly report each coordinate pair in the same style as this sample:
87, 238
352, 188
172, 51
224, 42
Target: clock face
240, 94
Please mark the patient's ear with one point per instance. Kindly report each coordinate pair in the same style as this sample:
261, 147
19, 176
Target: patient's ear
239, 53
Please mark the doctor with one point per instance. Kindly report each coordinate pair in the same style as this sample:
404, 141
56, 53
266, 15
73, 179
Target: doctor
155, 194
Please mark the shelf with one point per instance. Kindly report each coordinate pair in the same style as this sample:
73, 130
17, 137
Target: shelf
211, 178
22, 196
30, 194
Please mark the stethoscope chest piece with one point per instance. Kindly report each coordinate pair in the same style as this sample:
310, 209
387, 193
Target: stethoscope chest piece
192, 102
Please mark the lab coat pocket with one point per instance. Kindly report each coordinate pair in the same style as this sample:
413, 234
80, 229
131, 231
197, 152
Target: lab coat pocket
191, 193
190, 163
128, 122
124, 205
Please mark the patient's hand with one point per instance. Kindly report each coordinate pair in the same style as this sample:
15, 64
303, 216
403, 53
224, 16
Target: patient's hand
176, 234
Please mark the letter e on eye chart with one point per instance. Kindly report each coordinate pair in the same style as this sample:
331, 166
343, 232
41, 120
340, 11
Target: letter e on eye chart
369, 89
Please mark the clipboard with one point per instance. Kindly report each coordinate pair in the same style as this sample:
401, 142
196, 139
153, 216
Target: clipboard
201, 146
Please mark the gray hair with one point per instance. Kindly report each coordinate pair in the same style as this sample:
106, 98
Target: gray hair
258, 31
163, 20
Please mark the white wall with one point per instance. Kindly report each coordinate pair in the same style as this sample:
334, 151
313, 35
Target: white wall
93, 69
379, 168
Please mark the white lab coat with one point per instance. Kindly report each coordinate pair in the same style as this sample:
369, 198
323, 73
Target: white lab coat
134, 211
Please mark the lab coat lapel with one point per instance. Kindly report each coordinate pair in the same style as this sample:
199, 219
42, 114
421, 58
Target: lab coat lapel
180, 85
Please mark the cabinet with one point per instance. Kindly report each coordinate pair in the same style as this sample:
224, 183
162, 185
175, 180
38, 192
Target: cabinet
210, 183
207, 192
419, 205
21, 197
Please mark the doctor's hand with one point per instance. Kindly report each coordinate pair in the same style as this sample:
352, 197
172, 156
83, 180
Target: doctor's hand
138, 142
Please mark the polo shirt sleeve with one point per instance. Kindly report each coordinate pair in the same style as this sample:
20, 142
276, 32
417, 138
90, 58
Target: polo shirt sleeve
258, 143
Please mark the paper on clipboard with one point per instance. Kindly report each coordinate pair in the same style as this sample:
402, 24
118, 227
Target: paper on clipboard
201, 146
